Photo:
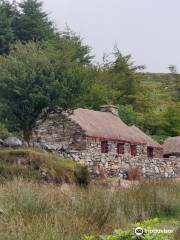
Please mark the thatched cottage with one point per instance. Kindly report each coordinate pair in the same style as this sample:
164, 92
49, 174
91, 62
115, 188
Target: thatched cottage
101, 140
171, 147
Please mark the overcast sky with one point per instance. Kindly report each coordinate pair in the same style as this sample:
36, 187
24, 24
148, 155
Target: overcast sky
148, 29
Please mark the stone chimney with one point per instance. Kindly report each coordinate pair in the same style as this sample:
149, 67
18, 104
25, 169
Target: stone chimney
110, 108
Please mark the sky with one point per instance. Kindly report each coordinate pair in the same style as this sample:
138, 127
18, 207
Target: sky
147, 29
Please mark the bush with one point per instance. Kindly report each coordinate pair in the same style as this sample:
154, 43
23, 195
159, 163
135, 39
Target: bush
4, 133
147, 234
134, 174
82, 176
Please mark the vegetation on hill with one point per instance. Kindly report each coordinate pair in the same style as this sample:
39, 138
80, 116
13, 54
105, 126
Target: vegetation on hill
43, 67
40, 167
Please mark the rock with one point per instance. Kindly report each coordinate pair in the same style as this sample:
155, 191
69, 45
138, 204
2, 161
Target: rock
12, 142
51, 147
1, 141
35, 145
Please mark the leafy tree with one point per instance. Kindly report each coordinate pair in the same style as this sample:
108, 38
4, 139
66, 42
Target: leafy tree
124, 76
98, 95
32, 23
68, 39
33, 78
129, 116
7, 36
72, 46
24, 21
125, 63
172, 120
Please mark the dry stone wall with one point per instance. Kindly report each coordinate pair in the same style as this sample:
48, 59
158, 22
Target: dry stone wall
117, 165
60, 131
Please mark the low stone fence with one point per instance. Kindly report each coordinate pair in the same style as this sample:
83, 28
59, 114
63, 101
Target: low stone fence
154, 168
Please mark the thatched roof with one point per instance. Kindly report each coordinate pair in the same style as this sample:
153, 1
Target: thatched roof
108, 126
144, 137
172, 146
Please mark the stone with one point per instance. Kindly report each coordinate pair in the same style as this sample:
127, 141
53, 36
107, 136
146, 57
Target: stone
51, 147
25, 144
12, 142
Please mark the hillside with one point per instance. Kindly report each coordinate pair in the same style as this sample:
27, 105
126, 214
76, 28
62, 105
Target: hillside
162, 86
37, 166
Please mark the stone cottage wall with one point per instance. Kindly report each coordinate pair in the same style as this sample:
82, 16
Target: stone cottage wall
114, 165
59, 131
63, 133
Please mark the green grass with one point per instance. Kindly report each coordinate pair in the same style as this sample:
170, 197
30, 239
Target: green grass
33, 209
47, 212
31, 164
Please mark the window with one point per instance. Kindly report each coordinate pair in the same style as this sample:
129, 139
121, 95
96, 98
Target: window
120, 148
150, 152
104, 147
133, 150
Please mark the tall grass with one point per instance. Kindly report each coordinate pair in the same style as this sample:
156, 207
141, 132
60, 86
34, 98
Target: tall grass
47, 212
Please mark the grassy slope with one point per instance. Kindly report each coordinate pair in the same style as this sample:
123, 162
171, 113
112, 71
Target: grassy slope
31, 164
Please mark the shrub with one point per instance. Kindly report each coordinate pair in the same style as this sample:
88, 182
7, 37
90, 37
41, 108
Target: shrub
147, 234
4, 133
134, 174
82, 176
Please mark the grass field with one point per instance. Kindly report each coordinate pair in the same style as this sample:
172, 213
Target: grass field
33, 211
40, 200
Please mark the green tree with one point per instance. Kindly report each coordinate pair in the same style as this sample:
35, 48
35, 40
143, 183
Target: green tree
7, 36
32, 23
77, 50
124, 76
34, 77
172, 120
129, 116
24, 21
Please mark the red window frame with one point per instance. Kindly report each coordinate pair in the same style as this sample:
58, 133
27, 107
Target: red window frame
133, 150
150, 152
120, 148
104, 147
